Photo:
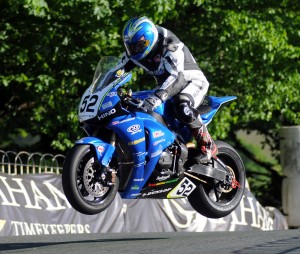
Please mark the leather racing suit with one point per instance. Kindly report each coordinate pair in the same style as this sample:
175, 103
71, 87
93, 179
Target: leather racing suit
177, 73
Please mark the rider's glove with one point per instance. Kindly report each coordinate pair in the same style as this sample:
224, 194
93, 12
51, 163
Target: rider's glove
150, 103
154, 101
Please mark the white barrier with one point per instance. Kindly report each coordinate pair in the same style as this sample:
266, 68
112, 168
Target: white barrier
35, 204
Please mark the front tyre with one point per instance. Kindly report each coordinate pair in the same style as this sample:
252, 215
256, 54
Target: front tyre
213, 199
89, 189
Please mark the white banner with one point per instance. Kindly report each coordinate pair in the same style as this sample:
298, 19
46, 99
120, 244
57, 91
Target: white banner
35, 204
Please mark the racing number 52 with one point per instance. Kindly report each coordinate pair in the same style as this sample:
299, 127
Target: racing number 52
88, 103
185, 188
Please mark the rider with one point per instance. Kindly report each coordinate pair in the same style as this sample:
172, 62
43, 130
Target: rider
160, 53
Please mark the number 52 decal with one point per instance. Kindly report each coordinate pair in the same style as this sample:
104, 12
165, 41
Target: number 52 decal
88, 107
183, 189
88, 104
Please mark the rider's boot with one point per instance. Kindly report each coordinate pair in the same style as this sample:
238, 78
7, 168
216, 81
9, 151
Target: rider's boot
205, 144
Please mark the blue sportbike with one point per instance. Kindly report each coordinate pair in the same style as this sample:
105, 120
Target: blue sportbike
142, 154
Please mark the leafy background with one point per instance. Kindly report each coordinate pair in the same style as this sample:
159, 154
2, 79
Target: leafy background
49, 50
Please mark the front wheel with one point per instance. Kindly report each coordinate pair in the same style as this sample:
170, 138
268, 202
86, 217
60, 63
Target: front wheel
88, 188
213, 199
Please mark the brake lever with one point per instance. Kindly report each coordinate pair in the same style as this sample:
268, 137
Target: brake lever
139, 104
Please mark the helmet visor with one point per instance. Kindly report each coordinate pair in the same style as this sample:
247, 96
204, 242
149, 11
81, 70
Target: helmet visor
138, 47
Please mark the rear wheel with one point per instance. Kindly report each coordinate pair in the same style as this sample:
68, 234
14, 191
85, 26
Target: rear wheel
89, 188
214, 199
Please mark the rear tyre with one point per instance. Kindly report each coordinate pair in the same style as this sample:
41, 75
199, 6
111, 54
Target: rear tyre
213, 199
85, 190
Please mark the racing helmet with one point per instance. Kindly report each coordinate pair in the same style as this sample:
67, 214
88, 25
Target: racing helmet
140, 36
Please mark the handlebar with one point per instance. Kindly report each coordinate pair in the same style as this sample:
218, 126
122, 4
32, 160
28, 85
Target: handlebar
128, 99
135, 102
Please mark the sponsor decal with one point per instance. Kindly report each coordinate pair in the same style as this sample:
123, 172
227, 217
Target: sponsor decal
25, 228
138, 179
127, 120
133, 129
120, 73
135, 195
157, 134
112, 94
157, 153
162, 183
156, 192
123, 121
135, 187
107, 105
140, 156
106, 114
137, 141
100, 149
139, 165
158, 141
163, 178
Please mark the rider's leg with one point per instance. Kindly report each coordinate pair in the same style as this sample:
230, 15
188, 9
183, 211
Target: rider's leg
204, 141
187, 101
199, 131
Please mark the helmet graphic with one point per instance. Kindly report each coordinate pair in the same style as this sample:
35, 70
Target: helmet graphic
140, 36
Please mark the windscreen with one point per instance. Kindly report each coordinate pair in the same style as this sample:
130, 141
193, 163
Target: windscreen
103, 74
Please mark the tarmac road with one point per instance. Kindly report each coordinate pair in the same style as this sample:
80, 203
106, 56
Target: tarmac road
258, 242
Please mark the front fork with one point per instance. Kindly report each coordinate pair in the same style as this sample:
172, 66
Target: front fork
106, 175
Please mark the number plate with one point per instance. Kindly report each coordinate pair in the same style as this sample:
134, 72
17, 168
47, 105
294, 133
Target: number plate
183, 189
89, 104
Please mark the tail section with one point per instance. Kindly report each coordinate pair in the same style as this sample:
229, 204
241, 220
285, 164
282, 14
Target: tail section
211, 105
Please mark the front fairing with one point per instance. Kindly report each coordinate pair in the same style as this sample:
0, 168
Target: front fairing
146, 138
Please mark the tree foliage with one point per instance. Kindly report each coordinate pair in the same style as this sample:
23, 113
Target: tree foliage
49, 49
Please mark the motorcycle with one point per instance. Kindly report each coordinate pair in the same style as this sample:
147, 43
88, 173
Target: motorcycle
145, 155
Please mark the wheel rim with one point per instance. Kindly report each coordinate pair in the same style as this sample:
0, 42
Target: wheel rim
90, 189
94, 188
215, 191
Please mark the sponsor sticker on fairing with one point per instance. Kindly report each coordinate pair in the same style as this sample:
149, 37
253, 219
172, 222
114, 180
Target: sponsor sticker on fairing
107, 105
120, 73
156, 192
159, 141
157, 134
133, 129
100, 149
137, 141
106, 114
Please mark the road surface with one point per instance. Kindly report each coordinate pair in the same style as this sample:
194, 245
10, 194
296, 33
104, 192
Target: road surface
258, 242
